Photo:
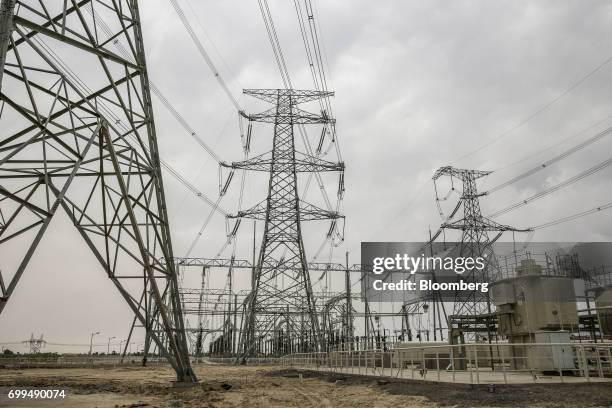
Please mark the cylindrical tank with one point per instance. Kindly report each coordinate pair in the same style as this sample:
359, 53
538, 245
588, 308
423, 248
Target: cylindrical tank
532, 302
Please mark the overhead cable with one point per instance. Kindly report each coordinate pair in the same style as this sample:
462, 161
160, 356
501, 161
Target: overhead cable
204, 53
588, 172
555, 159
540, 110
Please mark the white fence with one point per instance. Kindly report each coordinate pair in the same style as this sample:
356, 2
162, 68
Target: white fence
473, 363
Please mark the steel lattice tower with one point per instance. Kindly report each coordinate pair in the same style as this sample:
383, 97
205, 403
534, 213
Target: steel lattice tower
475, 240
77, 133
281, 304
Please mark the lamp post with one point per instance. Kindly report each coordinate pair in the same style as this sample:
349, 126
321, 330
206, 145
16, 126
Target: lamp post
120, 344
91, 341
108, 348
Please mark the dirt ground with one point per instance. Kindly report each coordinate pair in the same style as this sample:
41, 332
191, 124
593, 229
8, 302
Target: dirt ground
270, 387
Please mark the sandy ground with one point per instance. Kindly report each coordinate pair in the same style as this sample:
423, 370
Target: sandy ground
271, 387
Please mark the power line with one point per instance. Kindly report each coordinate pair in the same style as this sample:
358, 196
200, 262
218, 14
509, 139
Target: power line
540, 110
320, 83
555, 159
204, 53
203, 227
173, 111
180, 119
176, 114
556, 144
573, 217
317, 65
192, 188
276, 47
556, 187
212, 44
416, 194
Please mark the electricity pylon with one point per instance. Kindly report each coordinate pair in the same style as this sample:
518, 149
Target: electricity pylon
475, 240
281, 308
35, 344
77, 133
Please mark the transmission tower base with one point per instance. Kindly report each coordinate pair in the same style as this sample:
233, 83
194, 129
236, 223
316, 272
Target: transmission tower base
185, 384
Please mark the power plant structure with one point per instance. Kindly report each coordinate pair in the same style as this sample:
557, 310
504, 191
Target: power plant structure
534, 300
536, 308
78, 135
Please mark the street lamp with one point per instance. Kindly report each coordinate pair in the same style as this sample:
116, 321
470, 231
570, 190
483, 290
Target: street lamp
91, 341
108, 348
120, 344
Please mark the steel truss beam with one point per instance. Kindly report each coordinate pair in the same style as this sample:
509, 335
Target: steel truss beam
77, 132
245, 264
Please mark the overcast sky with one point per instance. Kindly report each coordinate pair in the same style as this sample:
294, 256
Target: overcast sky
418, 85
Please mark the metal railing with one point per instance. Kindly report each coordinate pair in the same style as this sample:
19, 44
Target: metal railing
474, 363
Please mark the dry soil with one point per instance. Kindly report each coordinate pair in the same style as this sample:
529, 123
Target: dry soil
271, 387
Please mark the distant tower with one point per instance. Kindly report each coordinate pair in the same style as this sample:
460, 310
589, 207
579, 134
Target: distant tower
35, 344
280, 314
475, 240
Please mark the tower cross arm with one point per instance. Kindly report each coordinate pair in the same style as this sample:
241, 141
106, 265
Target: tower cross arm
297, 95
294, 116
461, 174
308, 212
481, 223
303, 163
